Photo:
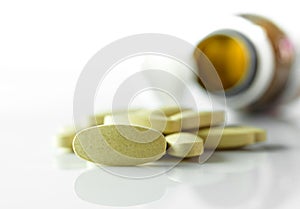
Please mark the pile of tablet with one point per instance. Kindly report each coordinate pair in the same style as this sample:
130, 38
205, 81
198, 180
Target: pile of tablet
141, 135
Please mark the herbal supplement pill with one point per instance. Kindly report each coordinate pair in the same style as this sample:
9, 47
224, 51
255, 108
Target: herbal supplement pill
65, 138
171, 110
99, 119
154, 119
150, 118
119, 145
184, 145
172, 119
117, 119
190, 119
260, 134
230, 137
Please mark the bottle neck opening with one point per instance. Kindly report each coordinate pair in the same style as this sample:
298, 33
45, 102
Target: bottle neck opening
233, 58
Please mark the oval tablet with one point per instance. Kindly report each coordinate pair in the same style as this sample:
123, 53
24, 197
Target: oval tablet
171, 119
65, 138
154, 119
190, 119
184, 145
230, 137
99, 119
119, 145
260, 134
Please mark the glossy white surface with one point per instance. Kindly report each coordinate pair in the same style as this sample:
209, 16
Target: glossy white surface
266, 175
43, 48
260, 176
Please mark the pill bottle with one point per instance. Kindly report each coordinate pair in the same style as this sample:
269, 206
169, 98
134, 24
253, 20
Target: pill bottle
255, 61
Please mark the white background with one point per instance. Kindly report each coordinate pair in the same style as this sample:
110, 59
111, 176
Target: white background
44, 45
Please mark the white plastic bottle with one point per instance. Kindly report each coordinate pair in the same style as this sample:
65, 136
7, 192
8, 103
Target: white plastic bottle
255, 60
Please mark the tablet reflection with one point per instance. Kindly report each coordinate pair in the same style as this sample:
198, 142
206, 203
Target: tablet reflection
101, 187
